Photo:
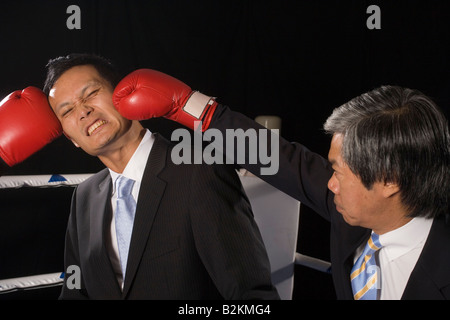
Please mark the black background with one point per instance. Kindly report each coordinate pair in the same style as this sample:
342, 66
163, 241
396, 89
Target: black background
295, 59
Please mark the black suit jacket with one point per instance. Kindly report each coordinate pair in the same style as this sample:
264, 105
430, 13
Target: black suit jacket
304, 176
194, 236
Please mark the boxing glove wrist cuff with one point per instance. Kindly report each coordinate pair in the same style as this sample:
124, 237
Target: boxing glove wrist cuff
197, 104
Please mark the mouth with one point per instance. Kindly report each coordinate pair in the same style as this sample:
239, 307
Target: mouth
95, 126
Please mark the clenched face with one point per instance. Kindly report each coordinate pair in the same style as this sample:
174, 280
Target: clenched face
82, 101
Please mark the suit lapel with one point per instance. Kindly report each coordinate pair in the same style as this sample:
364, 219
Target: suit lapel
100, 209
150, 194
430, 278
100, 219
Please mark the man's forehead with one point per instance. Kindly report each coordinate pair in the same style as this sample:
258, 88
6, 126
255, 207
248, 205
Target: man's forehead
75, 90
77, 79
73, 84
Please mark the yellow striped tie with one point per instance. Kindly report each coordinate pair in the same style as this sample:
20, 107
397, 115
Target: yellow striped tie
365, 275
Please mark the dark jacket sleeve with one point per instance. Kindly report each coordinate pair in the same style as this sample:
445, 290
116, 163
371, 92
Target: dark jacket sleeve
302, 174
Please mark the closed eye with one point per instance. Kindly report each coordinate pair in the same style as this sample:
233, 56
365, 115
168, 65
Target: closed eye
66, 111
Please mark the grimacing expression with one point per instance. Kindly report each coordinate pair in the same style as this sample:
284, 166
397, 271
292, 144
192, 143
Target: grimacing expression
82, 101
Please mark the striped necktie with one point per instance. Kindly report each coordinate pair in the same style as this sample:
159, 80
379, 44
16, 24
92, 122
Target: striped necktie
124, 218
365, 275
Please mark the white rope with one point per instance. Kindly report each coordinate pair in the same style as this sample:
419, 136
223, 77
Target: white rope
313, 263
44, 181
38, 181
31, 282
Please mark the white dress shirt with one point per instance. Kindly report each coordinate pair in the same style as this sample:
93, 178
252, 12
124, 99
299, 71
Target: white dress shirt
133, 170
399, 254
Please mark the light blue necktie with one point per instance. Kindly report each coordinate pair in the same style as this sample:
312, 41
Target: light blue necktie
365, 275
125, 210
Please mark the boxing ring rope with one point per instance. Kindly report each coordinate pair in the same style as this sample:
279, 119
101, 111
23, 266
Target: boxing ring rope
72, 180
37, 181
43, 181
31, 282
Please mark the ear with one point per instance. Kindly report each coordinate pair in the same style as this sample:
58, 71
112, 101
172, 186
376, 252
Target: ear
390, 189
76, 144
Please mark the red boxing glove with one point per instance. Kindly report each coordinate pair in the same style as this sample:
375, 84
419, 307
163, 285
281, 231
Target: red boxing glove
146, 93
27, 124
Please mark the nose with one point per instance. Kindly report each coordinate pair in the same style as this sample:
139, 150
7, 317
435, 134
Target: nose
84, 111
333, 184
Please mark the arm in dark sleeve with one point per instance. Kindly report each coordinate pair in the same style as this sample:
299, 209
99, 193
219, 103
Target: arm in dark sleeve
302, 174
227, 237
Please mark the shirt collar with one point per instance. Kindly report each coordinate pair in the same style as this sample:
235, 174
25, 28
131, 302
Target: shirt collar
136, 165
402, 240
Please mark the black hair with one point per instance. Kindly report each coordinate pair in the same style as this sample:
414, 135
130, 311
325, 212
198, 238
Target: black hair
56, 67
395, 134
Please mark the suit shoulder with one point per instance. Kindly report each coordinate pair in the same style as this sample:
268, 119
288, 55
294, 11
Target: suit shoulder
93, 181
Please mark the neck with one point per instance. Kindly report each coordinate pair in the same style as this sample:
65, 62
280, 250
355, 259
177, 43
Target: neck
393, 217
392, 225
118, 158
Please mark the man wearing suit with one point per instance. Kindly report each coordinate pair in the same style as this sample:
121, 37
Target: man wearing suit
193, 235
384, 189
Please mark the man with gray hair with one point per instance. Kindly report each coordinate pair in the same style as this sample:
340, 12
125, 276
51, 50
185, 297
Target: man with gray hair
384, 188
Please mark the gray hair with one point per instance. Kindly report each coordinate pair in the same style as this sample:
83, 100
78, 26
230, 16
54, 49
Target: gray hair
394, 134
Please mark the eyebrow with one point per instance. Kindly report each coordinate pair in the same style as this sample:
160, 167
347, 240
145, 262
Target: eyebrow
82, 93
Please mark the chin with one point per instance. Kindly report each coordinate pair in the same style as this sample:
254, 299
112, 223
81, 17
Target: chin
351, 221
